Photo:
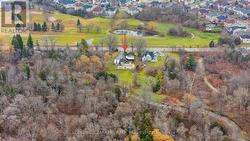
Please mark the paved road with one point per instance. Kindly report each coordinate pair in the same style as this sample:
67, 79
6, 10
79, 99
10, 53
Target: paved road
158, 49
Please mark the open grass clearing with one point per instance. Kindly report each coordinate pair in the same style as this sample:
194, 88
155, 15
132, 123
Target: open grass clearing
71, 36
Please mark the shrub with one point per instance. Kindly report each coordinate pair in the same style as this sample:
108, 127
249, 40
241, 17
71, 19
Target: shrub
54, 55
44, 74
177, 119
157, 87
211, 44
172, 74
26, 71
237, 41
216, 124
151, 71
9, 91
190, 63
226, 139
178, 32
106, 76
143, 123
3, 76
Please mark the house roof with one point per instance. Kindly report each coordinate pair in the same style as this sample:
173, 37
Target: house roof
213, 14
110, 9
245, 36
152, 54
67, 1
97, 9
87, 6
222, 17
124, 1
203, 10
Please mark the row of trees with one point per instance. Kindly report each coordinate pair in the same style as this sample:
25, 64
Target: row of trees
19, 47
229, 41
137, 44
58, 27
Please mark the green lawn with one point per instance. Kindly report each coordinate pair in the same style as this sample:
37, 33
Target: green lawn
71, 36
201, 39
125, 77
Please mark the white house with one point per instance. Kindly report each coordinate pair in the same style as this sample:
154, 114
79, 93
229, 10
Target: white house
245, 38
110, 12
150, 57
133, 11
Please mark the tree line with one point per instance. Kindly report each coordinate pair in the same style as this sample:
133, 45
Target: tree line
44, 27
19, 47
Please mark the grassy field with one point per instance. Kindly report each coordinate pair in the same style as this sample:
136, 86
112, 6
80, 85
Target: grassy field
71, 36
125, 77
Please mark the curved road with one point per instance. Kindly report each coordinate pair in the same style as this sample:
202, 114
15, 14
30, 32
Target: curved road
234, 131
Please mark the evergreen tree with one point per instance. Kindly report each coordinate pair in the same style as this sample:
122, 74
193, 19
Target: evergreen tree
79, 26
39, 28
211, 44
19, 42
83, 47
35, 27
30, 42
144, 125
14, 43
237, 41
191, 63
78, 23
53, 28
13, 40
58, 27
172, 74
44, 27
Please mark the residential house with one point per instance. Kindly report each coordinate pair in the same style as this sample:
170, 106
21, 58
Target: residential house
221, 19
212, 16
242, 12
203, 12
88, 7
149, 57
110, 12
133, 11
97, 10
234, 30
245, 38
124, 61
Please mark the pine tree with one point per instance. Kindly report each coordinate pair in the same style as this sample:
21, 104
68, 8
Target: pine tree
39, 28
58, 27
14, 43
144, 125
83, 47
172, 74
19, 42
211, 44
35, 27
30, 42
78, 23
44, 27
13, 40
53, 28
79, 26
191, 63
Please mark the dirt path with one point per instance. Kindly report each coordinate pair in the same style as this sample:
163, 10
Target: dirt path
234, 131
202, 69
